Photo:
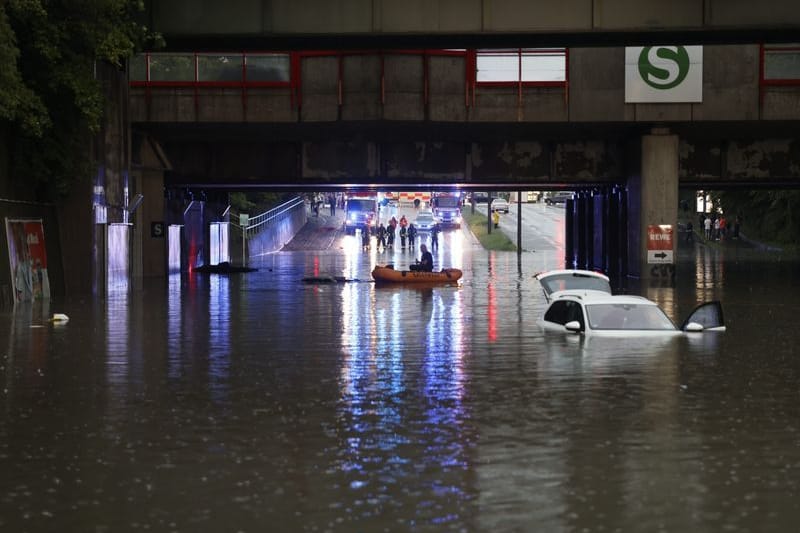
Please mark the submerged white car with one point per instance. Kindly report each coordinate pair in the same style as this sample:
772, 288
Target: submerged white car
581, 302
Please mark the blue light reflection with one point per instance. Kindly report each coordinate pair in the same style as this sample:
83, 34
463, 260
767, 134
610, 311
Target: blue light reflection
384, 372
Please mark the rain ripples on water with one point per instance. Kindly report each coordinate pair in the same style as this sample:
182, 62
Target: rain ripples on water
257, 402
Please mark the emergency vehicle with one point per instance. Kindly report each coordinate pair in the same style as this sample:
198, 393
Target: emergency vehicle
446, 208
360, 208
409, 198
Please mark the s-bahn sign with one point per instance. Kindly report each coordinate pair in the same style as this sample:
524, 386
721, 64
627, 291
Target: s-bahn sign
659, 74
659, 244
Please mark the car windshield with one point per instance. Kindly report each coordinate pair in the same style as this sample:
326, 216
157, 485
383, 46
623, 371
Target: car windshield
424, 218
574, 280
446, 201
627, 317
360, 205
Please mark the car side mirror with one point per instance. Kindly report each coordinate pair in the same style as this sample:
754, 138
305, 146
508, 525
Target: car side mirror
573, 326
693, 327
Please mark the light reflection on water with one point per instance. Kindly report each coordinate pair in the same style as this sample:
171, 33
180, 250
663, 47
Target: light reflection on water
210, 403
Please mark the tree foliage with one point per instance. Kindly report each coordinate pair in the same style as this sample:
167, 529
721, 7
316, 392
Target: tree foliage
50, 99
255, 203
766, 215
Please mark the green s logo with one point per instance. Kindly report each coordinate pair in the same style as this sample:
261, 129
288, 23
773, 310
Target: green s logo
663, 67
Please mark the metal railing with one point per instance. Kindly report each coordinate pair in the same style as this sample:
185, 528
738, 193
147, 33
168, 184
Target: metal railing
258, 223
265, 233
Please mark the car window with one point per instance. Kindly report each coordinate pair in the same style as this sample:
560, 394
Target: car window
557, 313
628, 316
709, 315
564, 311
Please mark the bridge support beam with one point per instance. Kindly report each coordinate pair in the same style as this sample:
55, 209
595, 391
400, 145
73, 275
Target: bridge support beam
656, 194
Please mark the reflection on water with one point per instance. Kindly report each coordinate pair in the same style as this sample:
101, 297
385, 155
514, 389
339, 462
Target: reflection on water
174, 326
219, 340
257, 402
118, 353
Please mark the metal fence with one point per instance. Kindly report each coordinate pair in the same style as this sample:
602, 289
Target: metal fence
269, 231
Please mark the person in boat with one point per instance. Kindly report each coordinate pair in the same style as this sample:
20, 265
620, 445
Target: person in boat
425, 263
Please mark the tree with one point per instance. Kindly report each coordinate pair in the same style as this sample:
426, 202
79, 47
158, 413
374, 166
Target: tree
767, 215
50, 100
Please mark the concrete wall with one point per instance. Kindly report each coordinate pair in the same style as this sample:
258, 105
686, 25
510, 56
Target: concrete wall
154, 247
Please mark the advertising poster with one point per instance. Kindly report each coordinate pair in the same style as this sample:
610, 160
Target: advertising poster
659, 244
28, 260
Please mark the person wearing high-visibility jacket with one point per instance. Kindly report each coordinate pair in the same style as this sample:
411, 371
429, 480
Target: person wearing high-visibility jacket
496, 218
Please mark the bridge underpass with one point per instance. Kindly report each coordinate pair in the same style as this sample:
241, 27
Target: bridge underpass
609, 203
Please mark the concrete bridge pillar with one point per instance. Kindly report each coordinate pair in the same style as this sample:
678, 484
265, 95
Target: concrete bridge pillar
657, 197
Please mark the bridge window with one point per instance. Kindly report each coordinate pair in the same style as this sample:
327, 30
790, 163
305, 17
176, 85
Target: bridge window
781, 63
268, 67
219, 67
210, 69
171, 67
532, 66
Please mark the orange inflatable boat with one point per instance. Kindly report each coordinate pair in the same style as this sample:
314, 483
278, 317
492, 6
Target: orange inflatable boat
389, 274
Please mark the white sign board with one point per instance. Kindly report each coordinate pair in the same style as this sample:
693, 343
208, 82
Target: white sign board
244, 220
660, 257
663, 74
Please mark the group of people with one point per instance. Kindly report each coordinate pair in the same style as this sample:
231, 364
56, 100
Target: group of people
386, 234
333, 200
407, 233
716, 227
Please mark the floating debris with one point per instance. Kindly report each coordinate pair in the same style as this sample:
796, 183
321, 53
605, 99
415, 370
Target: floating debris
223, 268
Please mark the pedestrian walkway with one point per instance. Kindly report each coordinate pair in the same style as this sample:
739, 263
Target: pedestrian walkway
321, 232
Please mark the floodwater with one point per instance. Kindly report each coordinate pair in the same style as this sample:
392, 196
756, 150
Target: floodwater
260, 403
